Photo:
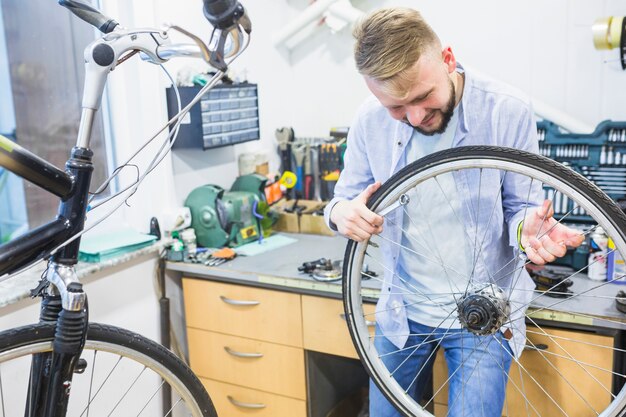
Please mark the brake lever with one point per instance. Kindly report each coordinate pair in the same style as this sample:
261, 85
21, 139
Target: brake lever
204, 50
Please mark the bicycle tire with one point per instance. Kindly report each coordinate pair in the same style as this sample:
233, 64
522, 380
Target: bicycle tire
126, 356
581, 193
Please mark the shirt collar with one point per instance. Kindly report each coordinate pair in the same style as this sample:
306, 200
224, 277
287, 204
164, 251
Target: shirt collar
467, 86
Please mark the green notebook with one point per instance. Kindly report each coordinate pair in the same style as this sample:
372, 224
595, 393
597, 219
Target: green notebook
100, 248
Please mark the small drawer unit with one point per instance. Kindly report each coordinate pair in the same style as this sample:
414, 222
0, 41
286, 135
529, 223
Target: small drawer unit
226, 115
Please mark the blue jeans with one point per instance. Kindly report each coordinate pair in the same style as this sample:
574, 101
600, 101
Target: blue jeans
478, 368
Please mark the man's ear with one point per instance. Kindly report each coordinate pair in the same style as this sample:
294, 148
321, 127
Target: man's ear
448, 59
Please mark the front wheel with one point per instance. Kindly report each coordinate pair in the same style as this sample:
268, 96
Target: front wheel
121, 374
447, 317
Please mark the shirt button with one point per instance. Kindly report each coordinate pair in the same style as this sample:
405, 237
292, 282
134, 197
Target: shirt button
396, 306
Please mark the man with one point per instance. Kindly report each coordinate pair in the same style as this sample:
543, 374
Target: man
424, 101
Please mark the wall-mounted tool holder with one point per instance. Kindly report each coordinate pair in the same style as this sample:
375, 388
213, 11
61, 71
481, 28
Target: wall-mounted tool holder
315, 161
599, 156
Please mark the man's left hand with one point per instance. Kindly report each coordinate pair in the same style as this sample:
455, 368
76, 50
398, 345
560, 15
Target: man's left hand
543, 238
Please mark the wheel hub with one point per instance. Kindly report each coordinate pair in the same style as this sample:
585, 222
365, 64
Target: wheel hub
484, 310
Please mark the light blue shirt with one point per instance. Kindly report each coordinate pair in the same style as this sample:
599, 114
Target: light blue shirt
490, 113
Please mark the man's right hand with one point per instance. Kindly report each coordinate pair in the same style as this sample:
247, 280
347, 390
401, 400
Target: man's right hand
354, 220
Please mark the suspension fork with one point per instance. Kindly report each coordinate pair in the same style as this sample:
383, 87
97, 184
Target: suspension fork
64, 304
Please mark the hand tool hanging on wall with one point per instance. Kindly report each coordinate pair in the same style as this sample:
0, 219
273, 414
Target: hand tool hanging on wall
285, 137
315, 166
330, 165
298, 152
308, 174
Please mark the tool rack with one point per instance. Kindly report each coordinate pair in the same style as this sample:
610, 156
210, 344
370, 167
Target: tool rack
599, 156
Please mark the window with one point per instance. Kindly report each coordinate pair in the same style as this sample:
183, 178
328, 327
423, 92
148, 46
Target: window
41, 83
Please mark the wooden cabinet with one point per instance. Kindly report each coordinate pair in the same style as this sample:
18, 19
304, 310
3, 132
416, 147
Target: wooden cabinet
550, 372
246, 346
239, 310
325, 328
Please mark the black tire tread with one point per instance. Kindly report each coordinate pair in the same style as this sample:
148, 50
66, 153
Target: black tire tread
44, 332
540, 163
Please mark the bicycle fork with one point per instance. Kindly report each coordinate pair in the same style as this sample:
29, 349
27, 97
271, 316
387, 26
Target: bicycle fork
65, 304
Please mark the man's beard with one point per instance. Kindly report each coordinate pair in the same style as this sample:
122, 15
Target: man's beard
446, 113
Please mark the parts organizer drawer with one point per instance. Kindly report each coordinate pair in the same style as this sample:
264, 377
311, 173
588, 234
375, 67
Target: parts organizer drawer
254, 313
234, 401
325, 328
250, 363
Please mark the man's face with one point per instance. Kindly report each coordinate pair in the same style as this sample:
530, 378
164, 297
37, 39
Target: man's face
429, 104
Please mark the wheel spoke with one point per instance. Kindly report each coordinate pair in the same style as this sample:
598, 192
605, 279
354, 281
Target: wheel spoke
127, 391
151, 397
511, 295
102, 385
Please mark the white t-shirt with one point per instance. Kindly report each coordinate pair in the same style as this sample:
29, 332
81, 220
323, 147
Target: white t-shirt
434, 259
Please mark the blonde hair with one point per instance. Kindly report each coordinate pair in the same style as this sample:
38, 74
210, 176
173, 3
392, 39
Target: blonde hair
389, 42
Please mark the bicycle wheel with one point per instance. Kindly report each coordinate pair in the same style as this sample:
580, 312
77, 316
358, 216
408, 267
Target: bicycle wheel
478, 296
125, 375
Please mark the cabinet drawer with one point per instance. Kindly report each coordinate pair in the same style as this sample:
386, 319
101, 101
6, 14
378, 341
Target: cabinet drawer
552, 371
234, 401
325, 328
251, 363
239, 310
588, 379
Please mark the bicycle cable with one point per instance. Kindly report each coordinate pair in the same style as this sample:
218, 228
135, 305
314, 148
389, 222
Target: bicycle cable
177, 120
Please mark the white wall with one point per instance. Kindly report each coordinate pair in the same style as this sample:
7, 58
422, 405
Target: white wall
543, 48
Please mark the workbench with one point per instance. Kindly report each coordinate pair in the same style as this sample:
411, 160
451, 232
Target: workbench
287, 351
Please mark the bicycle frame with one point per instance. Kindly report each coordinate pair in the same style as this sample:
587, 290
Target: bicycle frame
64, 303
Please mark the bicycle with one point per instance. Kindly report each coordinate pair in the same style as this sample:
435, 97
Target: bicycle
586, 374
69, 357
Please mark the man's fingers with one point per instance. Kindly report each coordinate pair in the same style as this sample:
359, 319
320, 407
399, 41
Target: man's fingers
546, 211
539, 248
360, 229
554, 248
371, 217
367, 193
534, 257
575, 239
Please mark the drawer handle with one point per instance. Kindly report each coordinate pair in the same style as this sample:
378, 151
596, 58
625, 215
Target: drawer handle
537, 347
239, 302
369, 323
244, 405
242, 354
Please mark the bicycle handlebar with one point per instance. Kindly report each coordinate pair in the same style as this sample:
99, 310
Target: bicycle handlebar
90, 15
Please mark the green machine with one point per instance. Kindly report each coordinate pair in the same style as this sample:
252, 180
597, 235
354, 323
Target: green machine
228, 218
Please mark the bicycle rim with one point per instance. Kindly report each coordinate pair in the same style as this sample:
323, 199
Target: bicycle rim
125, 375
558, 374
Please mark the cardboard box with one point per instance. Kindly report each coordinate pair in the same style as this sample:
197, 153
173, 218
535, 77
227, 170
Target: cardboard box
289, 219
312, 221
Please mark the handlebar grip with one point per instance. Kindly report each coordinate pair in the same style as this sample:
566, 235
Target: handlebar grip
222, 14
90, 15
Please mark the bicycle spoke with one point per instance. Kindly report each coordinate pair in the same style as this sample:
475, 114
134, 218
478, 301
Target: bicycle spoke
93, 372
151, 397
127, 391
101, 385
503, 269
565, 379
173, 407
519, 364
433, 352
2, 395
432, 235
403, 280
